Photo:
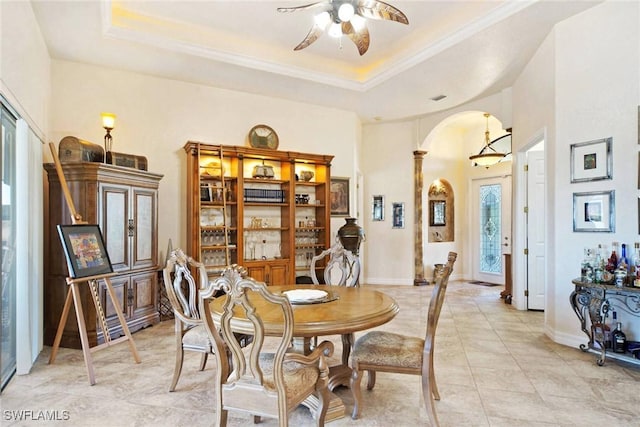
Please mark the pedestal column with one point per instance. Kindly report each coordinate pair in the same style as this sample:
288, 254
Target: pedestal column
419, 279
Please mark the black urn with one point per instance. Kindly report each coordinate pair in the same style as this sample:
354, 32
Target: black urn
351, 235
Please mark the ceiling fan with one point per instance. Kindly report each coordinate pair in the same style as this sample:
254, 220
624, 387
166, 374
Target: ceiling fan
347, 17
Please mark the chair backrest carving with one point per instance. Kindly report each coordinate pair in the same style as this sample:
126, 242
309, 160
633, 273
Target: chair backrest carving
181, 287
240, 374
342, 267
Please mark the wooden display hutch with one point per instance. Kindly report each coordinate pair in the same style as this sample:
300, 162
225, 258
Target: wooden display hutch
249, 206
124, 203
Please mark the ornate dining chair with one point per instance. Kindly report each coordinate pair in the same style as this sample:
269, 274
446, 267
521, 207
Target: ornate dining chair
380, 351
254, 380
342, 267
182, 289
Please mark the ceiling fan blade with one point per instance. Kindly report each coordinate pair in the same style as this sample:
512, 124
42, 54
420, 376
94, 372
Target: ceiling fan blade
359, 38
376, 9
304, 7
313, 35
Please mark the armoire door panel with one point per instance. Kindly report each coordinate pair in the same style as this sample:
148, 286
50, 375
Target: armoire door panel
120, 286
144, 206
114, 216
144, 288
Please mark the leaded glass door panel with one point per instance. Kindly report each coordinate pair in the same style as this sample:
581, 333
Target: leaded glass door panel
491, 228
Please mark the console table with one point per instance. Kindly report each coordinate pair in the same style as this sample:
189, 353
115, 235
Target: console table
592, 303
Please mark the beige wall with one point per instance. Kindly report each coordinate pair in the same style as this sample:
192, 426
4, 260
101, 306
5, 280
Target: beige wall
534, 115
24, 65
156, 117
388, 166
597, 96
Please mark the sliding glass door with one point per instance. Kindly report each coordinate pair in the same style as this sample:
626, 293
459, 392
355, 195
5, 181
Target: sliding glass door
8, 234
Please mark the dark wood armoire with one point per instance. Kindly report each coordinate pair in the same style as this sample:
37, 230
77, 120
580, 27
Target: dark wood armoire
124, 203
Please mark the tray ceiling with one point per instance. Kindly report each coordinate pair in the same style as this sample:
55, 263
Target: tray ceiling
461, 49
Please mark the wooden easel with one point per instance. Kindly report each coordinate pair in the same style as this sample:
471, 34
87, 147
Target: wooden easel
74, 293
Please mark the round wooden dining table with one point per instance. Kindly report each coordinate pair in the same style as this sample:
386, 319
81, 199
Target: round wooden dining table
346, 310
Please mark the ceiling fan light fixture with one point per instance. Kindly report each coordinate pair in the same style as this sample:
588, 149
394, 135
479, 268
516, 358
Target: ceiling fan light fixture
322, 19
335, 30
348, 18
358, 23
346, 11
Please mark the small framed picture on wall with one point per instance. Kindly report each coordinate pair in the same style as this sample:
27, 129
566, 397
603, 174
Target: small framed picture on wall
377, 208
594, 211
591, 160
398, 215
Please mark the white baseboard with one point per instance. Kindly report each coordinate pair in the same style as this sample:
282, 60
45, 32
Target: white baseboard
569, 340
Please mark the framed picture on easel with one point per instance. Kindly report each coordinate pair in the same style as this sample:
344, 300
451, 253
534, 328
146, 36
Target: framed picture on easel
84, 250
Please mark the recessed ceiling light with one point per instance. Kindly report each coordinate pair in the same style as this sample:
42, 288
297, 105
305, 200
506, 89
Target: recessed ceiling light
438, 97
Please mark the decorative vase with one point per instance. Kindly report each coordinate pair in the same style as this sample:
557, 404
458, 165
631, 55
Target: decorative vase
306, 175
351, 235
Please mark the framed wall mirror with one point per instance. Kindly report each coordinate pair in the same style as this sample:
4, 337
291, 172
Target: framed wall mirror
377, 208
437, 212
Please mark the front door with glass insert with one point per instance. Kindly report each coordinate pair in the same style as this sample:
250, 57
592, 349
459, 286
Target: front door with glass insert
491, 228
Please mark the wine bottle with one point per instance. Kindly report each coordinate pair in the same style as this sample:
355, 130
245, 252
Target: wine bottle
618, 339
598, 270
612, 263
586, 270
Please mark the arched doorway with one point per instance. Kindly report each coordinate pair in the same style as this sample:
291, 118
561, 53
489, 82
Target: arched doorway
449, 146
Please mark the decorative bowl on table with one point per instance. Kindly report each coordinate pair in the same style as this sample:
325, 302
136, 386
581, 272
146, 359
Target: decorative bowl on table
305, 296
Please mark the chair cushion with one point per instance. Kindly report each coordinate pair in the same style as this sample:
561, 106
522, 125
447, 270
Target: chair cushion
196, 338
298, 378
388, 349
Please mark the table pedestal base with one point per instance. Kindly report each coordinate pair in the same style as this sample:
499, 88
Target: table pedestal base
335, 411
339, 375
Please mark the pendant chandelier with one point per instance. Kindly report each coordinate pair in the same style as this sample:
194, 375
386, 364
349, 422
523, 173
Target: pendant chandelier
488, 156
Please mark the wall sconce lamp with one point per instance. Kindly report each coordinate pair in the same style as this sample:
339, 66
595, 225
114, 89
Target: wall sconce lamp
488, 156
108, 122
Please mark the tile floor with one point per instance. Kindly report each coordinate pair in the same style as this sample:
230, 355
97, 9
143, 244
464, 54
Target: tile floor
494, 367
